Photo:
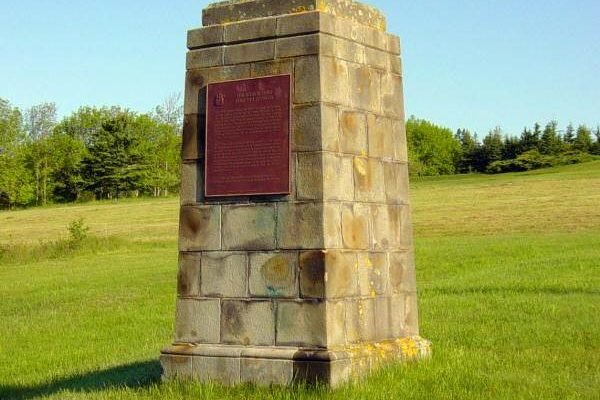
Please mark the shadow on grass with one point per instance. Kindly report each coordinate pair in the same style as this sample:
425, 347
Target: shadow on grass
135, 375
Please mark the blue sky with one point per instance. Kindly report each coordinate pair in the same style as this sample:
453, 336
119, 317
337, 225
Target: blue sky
474, 64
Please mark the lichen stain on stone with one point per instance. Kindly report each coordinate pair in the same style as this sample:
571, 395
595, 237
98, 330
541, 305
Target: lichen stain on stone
361, 166
276, 272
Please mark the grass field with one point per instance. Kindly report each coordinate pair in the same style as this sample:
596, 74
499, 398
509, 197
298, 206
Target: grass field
508, 273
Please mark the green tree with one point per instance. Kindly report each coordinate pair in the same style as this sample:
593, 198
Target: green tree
468, 153
492, 147
569, 137
433, 150
530, 139
551, 143
596, 149
512, 148
583, 139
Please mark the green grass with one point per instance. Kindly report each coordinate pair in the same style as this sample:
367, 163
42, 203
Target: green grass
508, 275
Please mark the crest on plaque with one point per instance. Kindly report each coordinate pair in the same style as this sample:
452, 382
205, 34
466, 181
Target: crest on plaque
220, 99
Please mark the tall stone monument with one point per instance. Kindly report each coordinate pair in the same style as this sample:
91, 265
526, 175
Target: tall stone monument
296, 254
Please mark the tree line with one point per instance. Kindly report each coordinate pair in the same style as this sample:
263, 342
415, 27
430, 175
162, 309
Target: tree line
94, 153
435, 150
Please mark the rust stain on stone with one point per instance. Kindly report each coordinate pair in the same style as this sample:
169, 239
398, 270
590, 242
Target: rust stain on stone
276, 271
363, 174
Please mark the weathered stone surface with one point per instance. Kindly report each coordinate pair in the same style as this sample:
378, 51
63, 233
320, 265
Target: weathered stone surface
402, 273
271, 68
387, 226
328, 274
224, 370
200, 228
188, 277
207, 36
335, 86
338, 183
398, 315
399, 136
307, 80
267, 371
406, 235
381, 138
392, 99
306, 128
394, 64
197, 321
192, 146
209, 57
309, 176
355, 226
369, 184
297, 46
353, 132
365, 88
239, 10
372, 274
249, 227
360, 320
329, 128
396, 183
301, 323
250, 30
294, 24
376, 58
411, 315
345, 49
249, 52
336, 323
192, 183
393, 44
332, 225
299, 226
224, 274
176, 367
383, 318
274, 274
245, 322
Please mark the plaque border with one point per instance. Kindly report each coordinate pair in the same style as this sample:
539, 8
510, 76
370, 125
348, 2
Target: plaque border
289, 167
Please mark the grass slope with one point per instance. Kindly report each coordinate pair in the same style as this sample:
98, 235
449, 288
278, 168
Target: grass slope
508, 275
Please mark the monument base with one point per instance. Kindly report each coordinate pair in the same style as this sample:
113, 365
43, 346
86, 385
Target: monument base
230, 365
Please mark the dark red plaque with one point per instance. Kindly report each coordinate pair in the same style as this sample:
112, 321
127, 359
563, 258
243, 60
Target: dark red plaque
248, 137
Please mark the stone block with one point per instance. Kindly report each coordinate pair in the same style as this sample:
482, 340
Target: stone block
331, 373
355, 226
294, 24
301, 323
365, 88
274, 274
249, 52
411, 315
336, 323
267, 371
309, 176
306, 128
372, 274
330, 128
332, 225
396, 183
195, 95
383, 319
398, 316
393, 44
200, 228
392, 99
188, 276
224, 274
394, 64
271, 68
176, 367
340, 48
192, 183
338, 182
250, 30
203, 58
249, 227
192, 146
376, 58
360, 321
328, 274
299, 226
353, 132
307, 80
402, 273
369, 183
247, 322
406, 229
296, 46
207, 36
197, 321
387, 226
381, 138
399, 136
335, 85
223, 370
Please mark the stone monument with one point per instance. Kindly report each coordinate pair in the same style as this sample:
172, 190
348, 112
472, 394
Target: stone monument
295, 238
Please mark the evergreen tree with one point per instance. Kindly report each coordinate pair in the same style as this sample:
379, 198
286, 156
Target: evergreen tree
512, 148
569, 134
468, 154
583, 139
596, 149
529, 139
493, 146
551, 143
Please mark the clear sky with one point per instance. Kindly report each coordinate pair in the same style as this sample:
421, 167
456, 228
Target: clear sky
474, 63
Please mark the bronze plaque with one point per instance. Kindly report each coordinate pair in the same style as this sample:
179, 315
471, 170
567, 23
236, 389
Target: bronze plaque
248, 137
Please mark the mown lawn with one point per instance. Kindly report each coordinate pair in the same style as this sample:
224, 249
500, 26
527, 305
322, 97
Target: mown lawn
508, 272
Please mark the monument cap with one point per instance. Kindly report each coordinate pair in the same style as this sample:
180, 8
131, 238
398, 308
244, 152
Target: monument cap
223, 12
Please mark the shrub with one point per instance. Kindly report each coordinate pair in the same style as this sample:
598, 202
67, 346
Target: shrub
78, 232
